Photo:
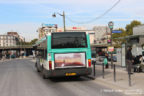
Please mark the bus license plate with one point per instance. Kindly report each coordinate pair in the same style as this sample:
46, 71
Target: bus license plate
70, 74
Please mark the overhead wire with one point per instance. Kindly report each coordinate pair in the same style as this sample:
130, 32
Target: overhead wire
92, 20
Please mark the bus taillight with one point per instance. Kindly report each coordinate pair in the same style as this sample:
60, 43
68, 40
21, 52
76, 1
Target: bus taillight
50, 64
89, 62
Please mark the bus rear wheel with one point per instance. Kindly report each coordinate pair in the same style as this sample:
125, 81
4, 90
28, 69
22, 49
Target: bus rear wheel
44, 75
37, 67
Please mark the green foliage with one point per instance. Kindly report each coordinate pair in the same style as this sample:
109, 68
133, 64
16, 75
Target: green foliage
129, 27
125, 32
33, 41
117, 42
28, 43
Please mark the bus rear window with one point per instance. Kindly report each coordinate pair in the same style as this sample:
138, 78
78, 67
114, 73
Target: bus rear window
69, 40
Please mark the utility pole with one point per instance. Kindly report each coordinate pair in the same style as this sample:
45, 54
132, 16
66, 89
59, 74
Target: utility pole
64, 20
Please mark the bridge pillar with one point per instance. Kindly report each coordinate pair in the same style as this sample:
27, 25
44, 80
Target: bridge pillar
17, 53
0, 54
25, 53
3, 54
21, 54
28, 52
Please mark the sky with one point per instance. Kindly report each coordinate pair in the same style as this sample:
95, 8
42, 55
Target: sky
26, 16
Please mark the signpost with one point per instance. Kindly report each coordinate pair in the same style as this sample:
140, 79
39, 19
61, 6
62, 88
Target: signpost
49, 25
111, 24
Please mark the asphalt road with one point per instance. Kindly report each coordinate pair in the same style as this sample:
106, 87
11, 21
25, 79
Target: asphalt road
20, 78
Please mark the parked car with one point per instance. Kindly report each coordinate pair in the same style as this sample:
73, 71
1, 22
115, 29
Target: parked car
0, 56
114, 58
101, 58
13, 56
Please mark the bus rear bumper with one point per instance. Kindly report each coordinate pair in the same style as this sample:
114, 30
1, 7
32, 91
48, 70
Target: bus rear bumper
69, 72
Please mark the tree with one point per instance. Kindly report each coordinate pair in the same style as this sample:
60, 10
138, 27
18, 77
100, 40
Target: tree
129, 27
33, 41
125, 32
116, 40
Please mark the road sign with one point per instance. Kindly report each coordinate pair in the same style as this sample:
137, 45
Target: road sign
49, 25
116, 31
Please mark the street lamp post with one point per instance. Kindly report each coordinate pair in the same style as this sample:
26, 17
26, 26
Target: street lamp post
110, 24
63, 15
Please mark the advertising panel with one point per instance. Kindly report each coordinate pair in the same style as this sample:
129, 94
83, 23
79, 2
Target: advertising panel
70, 60
111, 49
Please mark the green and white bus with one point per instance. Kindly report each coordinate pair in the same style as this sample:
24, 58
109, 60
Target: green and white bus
63, 54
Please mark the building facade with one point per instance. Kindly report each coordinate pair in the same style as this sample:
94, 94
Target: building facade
21, 39
46, 28
102, 34
11, 39
81, 29
69, 29
98, 35
13, 34
8, 40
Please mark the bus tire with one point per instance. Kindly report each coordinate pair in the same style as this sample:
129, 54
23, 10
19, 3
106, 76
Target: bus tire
44, 75
77, 76
37, 67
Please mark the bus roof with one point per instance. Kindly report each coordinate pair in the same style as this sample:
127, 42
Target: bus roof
39, 41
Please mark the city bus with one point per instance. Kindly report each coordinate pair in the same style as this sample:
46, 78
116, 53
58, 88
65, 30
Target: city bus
63, 54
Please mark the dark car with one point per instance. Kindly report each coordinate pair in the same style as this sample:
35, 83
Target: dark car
101, 58
114, 58
13, 56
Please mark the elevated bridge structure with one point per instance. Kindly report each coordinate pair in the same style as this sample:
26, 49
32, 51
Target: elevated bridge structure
27, 49
23, 47
19, 50
30, 47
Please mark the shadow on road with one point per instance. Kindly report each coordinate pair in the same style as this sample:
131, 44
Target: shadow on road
69, 79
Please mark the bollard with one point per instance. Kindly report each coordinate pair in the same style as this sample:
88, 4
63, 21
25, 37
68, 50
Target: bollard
103, 70
129, 74
114, 73
94, 68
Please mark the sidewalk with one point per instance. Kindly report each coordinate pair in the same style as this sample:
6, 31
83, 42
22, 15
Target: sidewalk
121, 84
4, 60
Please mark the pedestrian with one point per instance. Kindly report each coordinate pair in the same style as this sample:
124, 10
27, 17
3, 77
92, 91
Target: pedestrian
129, 60
105, 62
106, 56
